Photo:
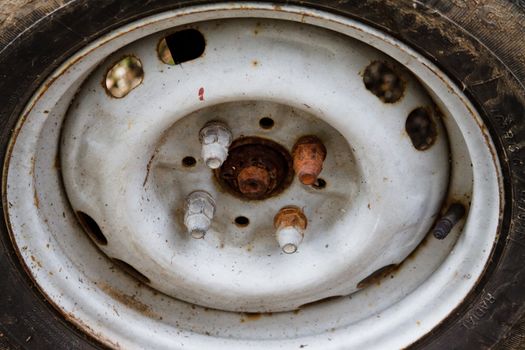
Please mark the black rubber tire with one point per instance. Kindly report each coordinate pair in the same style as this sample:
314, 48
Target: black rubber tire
478, 43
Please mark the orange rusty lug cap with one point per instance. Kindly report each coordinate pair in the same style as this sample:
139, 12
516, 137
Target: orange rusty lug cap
308, 155
290, 223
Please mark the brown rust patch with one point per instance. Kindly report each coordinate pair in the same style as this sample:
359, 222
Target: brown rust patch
128, 300
308, 155
36, 201
290, 217
250, 316
253, 180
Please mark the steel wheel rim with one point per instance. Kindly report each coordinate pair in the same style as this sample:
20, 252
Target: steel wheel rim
338, 335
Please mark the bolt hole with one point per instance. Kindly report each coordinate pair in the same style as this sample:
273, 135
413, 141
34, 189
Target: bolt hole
383, 82
266, 123
242, 221
124, 76
189, 162
421, 128
181, 47
130, 270
92, 228
319, 184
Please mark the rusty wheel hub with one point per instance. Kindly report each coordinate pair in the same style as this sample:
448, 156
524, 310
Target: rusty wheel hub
256, 168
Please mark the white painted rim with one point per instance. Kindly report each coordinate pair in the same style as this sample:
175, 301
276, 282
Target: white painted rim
114, 309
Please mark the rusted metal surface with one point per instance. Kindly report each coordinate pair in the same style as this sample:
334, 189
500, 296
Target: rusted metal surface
290, 217
309, 154
253, 180
256, 168
290, 223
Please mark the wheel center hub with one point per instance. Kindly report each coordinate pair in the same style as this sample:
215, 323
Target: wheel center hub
256, 169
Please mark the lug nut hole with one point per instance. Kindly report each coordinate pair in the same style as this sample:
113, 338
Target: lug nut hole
242, 221
266, 123
319, 184
189, 162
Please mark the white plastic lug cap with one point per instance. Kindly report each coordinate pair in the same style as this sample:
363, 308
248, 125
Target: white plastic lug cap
215, 138
199, 210
289, 239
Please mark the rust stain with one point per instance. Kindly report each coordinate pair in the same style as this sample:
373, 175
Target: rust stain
255, 63
36, 261
148, 167
308, 155
253, 316
273, 160
253, 180
128, 300
70, 316
36, 201
290, 217
250, 317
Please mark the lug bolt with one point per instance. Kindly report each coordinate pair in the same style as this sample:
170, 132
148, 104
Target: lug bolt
308, 154
198, 213
445, 224
290, 223
253, 181
215, 138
